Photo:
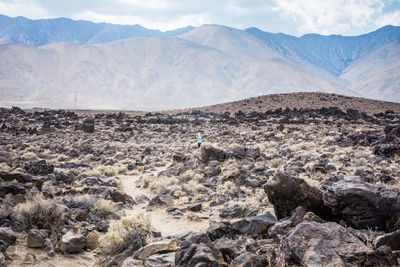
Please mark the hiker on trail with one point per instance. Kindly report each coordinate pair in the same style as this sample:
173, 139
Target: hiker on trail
198, 141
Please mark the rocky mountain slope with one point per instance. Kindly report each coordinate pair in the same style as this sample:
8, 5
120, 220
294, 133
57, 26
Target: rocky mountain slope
41, 32
65, 63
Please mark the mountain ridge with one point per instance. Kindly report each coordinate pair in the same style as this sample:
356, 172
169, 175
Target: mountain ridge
191, 66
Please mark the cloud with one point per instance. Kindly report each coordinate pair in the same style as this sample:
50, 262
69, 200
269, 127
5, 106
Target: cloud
346, 17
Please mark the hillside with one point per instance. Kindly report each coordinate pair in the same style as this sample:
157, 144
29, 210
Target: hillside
150, 73
303, 101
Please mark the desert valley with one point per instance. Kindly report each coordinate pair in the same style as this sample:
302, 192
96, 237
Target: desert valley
286, 186
199, 146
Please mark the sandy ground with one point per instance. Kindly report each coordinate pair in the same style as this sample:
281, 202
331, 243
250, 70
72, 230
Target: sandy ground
160, 219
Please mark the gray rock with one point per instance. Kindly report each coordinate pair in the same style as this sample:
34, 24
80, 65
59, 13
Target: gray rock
390, 239
317, 244
11, 188
195, 207
2, 260
36, 238
167, 245
8, 235
287, 192
161, 260
72, 243
48, 246
162, 200
132, 263
198, 250
256, 226
248, 259
363, 205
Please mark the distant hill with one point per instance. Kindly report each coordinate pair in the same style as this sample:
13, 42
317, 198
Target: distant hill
302, 101
61, 63
21, 30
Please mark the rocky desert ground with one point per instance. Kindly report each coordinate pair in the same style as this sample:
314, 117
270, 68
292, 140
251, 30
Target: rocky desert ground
304, 179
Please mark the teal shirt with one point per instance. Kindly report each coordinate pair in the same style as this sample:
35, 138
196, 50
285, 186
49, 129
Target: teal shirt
199, 140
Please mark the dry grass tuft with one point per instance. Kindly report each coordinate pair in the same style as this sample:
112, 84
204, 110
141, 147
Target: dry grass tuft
39, 213
123, 232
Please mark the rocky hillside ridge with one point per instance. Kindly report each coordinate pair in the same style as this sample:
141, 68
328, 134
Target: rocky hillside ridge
267, 185
303, 100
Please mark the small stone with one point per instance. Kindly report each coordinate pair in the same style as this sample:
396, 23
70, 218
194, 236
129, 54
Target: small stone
36, 238
48, 246
92, 240
195, 207
72, 243
30, 259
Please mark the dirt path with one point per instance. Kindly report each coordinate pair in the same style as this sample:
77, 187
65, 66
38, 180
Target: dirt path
163, 221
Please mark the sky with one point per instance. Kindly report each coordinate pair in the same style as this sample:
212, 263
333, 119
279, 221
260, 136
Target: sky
345, 17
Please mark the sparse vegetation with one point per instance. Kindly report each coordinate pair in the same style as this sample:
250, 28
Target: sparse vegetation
123, 232
38, 213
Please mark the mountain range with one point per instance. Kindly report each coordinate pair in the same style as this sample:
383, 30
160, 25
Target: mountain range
61, 63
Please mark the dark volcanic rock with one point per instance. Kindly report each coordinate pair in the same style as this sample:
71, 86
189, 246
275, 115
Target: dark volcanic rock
256, 226
11, 188
162, 200
198, 251
287, 193
363, 205
209, 153
36, 238
387, 150
248, 259
39, 168
322, 244
8, 235
390, 239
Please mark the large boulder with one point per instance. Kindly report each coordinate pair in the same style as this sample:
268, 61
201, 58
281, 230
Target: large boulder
208, 153
287, 192
363, 205
198, 250
72, 243
325, 244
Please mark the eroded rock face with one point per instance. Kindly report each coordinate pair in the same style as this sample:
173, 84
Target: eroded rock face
198, 251
248, 259
363, 205
287, 192
322, 244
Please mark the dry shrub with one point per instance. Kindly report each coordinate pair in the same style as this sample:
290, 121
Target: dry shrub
40, 213
29, 156
101, 208
124, 232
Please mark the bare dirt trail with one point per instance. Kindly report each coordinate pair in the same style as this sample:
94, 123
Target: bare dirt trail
160, 219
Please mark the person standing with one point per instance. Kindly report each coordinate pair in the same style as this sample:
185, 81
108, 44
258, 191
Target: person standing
198, 141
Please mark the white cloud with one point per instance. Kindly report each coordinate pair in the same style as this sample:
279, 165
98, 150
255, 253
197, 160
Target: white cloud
392, 18
331, 16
